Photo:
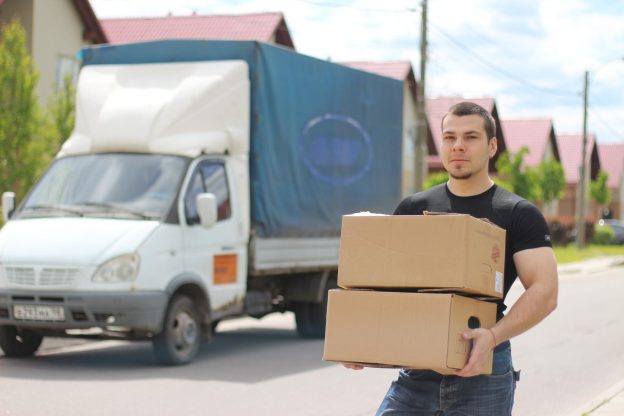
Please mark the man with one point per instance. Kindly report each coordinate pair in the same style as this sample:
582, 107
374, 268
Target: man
468, 144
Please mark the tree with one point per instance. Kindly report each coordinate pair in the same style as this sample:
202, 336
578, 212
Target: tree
550, 180
20, 118
435, 179
521, 180
61, 115
598, 189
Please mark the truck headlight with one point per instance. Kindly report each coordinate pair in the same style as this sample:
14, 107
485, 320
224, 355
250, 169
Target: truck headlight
119, 269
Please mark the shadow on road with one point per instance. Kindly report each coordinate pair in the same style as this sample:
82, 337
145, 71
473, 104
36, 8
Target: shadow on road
241, 356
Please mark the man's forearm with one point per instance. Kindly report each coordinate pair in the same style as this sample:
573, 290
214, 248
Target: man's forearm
537, 302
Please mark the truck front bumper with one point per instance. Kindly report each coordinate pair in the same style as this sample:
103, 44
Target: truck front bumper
141, 311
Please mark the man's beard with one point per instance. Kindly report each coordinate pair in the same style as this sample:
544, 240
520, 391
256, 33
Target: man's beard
461, 176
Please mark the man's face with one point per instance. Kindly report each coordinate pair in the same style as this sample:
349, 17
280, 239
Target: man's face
466, 150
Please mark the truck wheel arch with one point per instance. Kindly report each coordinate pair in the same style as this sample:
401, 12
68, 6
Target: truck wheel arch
192, 287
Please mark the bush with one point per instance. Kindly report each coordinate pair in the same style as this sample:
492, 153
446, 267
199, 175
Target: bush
604, 235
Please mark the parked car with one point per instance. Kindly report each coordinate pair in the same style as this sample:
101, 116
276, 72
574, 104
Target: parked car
618, 229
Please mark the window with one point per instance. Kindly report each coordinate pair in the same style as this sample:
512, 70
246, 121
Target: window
209, 177
67, 67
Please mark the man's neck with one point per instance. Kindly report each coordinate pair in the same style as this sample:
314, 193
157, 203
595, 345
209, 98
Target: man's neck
469, 187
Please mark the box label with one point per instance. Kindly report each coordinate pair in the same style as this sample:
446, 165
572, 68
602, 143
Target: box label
498, 282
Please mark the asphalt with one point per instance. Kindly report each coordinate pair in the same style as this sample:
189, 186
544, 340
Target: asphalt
611, 401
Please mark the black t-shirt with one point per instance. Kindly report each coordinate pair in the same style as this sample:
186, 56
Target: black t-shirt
525, 225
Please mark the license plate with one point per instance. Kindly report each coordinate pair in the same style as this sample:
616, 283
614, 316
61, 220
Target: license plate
39, 313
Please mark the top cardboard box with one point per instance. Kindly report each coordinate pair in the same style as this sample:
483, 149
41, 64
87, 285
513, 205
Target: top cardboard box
451, 252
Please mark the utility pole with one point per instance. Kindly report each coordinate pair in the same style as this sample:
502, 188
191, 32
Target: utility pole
582, 194
421, 117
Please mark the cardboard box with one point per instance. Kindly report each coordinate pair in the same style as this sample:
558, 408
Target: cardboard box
403, 329
454, 252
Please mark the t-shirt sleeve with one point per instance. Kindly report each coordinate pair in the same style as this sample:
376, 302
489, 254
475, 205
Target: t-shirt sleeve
410, 206
402, 208
529, 228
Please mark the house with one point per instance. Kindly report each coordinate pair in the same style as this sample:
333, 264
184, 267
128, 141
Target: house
55, 31
570, 149
612, 162
538, 135
263, 27
402, 70
437, 107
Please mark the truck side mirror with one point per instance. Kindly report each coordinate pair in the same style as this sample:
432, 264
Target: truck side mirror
8, 205
207, 209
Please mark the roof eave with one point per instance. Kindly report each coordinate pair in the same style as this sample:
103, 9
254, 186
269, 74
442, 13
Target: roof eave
93, 31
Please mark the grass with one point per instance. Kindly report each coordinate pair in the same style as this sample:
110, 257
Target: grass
571, 253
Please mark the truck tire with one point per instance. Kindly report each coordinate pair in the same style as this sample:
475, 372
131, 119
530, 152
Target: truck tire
312, 316
179, 341
17, 342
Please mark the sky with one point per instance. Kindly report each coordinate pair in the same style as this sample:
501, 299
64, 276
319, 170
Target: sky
530, 55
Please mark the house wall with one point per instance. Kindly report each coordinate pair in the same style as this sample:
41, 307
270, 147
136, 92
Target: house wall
57, 36
22, 10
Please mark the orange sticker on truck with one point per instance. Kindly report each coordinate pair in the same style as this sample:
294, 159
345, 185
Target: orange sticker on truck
224, 269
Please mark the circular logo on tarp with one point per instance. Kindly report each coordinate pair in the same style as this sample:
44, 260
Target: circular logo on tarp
336, 149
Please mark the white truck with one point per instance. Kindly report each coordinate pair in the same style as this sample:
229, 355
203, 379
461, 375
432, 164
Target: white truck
204, 180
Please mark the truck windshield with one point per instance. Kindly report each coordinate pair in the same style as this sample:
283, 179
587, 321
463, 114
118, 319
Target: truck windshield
120, 185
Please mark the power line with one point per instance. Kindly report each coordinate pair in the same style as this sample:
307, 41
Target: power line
605, 124
347, 6
500, 70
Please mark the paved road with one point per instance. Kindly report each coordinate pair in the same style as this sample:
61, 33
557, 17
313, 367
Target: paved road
262, 368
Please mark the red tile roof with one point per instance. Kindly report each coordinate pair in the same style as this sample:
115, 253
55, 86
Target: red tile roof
392, 69
260, 27
532, 133
612, 162
570, 146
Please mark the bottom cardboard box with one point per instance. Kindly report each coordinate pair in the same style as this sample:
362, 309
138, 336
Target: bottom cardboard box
403, 329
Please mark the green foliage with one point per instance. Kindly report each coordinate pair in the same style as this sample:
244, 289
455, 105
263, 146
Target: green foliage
435, 179
598, 189
28, 139
550, 181
604, 235
61, 115
523, 181
20, 118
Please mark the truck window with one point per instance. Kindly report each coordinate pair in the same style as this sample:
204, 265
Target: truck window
209, 177
141, 186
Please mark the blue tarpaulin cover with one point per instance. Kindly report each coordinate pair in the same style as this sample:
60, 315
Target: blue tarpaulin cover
325, 138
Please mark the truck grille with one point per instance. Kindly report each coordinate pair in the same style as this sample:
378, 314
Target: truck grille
21, 275
51, 277
46, 276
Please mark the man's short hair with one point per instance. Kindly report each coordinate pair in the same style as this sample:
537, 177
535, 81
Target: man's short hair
466, 108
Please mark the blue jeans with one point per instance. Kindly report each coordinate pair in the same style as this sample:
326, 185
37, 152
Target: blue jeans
428, 393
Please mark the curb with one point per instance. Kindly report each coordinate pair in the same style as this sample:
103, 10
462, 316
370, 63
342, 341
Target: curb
601, 401
591, 265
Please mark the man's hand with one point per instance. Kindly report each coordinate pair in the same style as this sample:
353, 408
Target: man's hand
482, 343
352, 366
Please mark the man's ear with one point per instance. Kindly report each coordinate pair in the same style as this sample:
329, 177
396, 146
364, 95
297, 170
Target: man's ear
492, 147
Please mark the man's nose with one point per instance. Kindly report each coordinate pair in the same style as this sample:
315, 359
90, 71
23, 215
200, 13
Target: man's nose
459, 144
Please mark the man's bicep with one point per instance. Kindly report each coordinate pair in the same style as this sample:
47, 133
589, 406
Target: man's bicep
536, 265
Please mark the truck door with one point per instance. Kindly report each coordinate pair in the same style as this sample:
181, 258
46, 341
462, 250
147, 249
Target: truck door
216, 254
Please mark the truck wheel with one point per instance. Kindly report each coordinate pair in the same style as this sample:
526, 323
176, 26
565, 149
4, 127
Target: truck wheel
18, 342
312, 316
178, 342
